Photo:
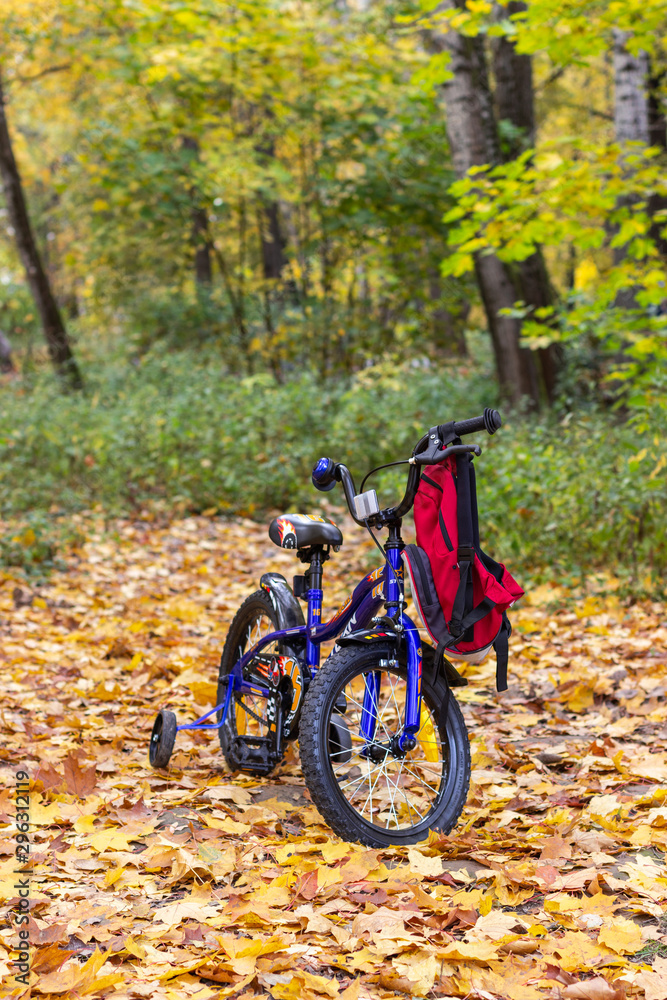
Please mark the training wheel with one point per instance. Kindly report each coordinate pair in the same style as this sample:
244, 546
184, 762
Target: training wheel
163, 738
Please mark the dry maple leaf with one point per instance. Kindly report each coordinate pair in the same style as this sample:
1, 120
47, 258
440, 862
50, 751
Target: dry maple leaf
594, 989
79, 782
653, 981
155, 869
79, 979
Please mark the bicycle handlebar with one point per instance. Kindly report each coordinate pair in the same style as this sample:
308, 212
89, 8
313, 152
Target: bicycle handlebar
428, 451
489, 421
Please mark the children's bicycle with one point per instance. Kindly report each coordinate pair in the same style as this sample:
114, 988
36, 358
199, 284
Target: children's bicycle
383, 744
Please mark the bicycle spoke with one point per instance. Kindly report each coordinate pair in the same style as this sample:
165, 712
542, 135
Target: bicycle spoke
363, 711
362, 778
393, 695
396, 791
407, 801
370, 793
252, 708
392, 800
430, 788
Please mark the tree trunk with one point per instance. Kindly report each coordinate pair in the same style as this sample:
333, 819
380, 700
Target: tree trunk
537, 291
271, 234
202, 242
630, 97
514, 99
473, 141
55, 333
631, 121
657, 133
471, 126
515, 365
657, 122
273, 242
201, 237
6, 363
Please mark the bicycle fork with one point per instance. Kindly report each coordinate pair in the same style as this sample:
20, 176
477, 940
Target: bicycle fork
406, 739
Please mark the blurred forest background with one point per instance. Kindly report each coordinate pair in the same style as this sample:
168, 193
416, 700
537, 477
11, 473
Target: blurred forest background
235, 236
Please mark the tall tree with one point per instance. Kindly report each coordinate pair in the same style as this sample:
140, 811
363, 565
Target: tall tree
515, 107
514, 97
631, 117
473, 140
657, 133
6, 363
55, 333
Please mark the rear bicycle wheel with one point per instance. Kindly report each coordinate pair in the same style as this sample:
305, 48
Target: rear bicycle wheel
250, 720
364, 786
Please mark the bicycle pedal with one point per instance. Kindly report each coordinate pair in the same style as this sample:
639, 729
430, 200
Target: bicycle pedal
255, 754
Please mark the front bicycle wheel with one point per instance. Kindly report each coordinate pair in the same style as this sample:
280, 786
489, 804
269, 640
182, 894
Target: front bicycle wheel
364, 786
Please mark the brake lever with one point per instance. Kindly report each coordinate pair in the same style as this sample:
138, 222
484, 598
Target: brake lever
434, 453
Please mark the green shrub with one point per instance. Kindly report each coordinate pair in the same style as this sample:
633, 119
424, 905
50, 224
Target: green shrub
175, 430
557, 496
33, 545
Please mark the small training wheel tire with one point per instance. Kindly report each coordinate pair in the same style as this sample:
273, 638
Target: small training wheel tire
163, 738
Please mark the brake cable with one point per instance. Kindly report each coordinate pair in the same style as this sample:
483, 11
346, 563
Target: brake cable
403, 461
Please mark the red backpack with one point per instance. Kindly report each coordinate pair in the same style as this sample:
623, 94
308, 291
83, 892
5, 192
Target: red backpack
461, 593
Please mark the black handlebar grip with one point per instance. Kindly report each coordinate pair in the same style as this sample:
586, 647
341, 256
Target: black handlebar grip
489, 421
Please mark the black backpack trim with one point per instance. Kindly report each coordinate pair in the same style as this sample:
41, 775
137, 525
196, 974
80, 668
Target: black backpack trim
430, 610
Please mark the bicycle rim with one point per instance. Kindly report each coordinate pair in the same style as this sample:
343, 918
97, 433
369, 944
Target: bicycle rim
389, 791
248, 714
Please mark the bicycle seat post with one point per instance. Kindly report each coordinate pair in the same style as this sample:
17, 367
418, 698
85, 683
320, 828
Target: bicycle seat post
315, 595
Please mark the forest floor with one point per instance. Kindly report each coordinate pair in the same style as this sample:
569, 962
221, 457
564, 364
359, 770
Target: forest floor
195, 883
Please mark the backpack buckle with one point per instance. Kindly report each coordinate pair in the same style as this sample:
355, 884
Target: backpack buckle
465, 553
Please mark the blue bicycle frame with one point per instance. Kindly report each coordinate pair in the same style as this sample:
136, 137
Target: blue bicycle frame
384, 584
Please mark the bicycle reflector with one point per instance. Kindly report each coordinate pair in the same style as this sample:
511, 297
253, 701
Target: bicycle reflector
324, 475
366, 504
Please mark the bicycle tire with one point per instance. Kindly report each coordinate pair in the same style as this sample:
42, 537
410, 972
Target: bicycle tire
326, 789
256, 606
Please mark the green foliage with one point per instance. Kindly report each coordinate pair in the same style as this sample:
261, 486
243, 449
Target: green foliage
558, 497
31, 546
178, 430
570, 497
17, 312
586, 202
250, 130
570, 192
179, 318
578, 495
571, 32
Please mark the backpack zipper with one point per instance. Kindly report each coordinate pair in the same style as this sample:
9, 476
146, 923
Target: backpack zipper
431, 482
443, 529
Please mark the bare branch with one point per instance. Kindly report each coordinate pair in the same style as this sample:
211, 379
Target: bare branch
43, 72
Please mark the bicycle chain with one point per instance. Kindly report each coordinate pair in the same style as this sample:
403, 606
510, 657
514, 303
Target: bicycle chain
246, 708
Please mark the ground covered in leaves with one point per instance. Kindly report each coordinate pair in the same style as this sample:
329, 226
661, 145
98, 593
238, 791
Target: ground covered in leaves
198, 883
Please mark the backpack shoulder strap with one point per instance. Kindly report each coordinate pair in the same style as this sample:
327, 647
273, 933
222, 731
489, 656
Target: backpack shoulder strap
501, 646
444, 705
465, 556
473, 505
